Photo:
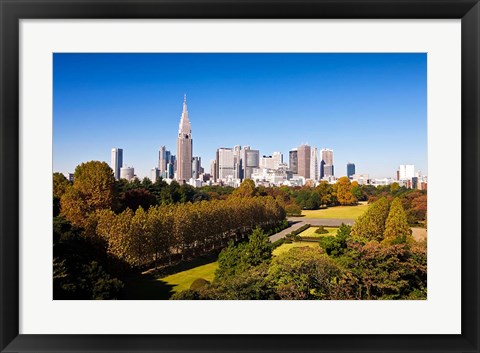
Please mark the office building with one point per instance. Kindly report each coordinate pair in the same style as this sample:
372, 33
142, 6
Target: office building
196, 167
304, 155
127, 173
163, 159
314, 167
184, 147
154, 174
293, 160
225, 163
214, 170
406, 172
326, 163
250, 159
350, 170
117, 162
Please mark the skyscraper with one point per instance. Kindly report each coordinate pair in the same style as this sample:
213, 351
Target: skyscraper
225, 163
117, 162
250, 159
154, 174
350, 170
304, 155
277, 159
314, 167
293, 160
406, 171
196, 166
163, 159
184, 146
326, 164
213, 170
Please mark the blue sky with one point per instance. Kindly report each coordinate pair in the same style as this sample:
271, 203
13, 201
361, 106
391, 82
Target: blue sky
371, 109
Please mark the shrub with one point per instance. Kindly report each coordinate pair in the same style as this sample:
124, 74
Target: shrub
199, 283
321, 230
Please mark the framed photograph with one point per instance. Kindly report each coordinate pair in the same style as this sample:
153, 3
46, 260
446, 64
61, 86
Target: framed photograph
234, 176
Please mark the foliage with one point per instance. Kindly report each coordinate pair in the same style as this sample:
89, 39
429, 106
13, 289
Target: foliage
304, 273
397, 229
60, 185
371, 225
237, 259
93, 189
321, 230
337, 245
343, 189
199, 283
246, 189
380, 271
77, 273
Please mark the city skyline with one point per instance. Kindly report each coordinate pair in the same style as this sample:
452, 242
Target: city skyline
377, 149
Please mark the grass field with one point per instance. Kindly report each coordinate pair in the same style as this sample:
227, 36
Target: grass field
285, 247
345, 212
182, 280
310, 232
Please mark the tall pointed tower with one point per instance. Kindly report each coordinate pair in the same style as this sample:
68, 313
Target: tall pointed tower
184, 146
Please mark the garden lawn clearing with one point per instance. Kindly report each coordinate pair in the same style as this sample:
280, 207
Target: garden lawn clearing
298, 244
310, 232
339, 212
182, 280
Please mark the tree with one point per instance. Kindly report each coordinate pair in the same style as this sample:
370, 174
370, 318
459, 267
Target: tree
371, 225
344, 192
337, 245
93, 189
60, 185
324, 190
304, 273
246, 189
397, 229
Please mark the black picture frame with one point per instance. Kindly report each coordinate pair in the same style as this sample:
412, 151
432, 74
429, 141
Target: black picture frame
11, 11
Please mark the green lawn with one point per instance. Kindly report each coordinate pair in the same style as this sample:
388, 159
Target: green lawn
346, 212
182, 280
310, 232
285, 247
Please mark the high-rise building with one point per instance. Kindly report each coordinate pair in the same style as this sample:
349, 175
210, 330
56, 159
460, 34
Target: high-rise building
406, 172
163, 159
225, 163
326, 163
184, 146
154, 174
267, 162
127, 173
314, 167
293, 160
304, 155
237, 161
350, 170
250, 159
196, 166
277, 159
214, 170
117, 162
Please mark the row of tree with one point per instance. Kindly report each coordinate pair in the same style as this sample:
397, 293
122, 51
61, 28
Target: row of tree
191, 229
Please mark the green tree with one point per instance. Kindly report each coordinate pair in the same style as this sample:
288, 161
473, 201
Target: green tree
397, 229
60, 185
304, 273
371, 225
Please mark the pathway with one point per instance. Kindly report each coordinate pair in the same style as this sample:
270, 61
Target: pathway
297, 222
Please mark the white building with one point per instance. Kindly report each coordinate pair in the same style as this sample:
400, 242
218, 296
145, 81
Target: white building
127, 173
406, 171
314, 167
154, 174
117, 162
226, 163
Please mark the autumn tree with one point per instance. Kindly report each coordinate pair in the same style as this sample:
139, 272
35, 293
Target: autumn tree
246, 189
344, 192
397, 229
371, 225
92, 189
60, 185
